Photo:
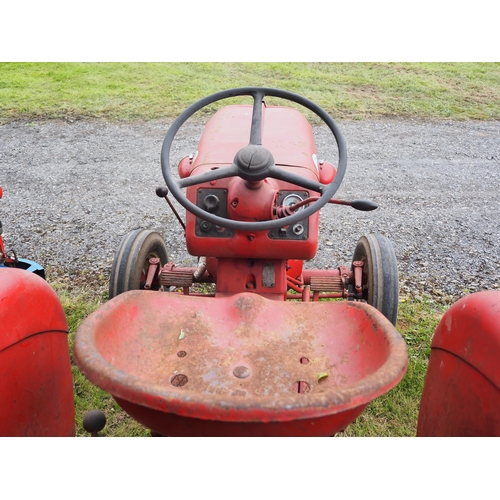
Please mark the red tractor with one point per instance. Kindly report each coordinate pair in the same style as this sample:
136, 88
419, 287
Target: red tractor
253, 344
253, 194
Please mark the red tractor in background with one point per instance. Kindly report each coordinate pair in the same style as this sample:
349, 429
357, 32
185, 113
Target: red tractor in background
36, 389
249, 342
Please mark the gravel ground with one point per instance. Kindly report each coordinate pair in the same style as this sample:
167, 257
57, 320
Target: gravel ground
72, 190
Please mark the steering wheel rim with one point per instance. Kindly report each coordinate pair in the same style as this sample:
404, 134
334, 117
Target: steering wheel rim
258, 93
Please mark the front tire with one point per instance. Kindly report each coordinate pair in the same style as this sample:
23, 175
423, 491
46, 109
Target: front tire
380, 274
131, 262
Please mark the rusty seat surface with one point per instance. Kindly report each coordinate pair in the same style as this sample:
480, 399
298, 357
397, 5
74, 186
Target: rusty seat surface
239, 365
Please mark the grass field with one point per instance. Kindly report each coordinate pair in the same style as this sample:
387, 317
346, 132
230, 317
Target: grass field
144, 91
133, 92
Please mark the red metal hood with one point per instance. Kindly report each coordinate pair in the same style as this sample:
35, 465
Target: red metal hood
286, 133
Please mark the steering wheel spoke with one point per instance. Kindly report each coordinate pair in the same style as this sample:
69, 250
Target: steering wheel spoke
212, 175
287, 176
256, 129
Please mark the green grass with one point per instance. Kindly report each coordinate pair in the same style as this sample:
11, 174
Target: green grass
393, 414
145, 91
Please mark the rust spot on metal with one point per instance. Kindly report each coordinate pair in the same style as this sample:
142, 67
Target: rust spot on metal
238, 392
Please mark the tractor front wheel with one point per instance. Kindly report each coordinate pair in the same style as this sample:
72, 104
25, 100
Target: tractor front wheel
130, 266
380, 274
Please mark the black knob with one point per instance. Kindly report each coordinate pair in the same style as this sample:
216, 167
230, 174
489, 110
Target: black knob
94, 421
162, 191
364, 205
211, 203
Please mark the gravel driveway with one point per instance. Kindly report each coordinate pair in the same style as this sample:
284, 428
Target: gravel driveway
71, 190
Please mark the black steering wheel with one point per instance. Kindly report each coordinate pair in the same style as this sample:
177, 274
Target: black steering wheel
253, 162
